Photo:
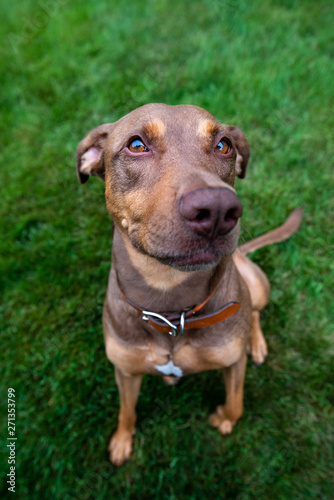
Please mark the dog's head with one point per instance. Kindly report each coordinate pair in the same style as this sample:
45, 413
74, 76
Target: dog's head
169, 176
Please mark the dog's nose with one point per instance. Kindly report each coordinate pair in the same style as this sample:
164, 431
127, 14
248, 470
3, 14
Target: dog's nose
210, 212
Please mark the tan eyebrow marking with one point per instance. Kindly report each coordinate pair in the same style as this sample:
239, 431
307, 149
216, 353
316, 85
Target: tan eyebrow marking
207, 128
155, 128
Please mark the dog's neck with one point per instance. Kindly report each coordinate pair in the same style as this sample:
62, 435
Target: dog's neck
158, 287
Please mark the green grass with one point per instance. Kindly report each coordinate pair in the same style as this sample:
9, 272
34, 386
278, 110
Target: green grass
266, 66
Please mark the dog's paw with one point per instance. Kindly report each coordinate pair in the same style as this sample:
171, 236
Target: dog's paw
221, 422
258, 349
120, 447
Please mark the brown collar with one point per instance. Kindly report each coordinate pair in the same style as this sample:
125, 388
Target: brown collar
173, 323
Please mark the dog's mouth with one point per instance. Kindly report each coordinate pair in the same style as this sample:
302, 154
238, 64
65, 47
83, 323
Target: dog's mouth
191, 261
186, 261
191, 254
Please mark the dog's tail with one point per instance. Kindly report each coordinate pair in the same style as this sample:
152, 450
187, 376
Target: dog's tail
281, 233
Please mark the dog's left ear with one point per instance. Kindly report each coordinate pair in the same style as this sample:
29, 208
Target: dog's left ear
90, 153
243, 151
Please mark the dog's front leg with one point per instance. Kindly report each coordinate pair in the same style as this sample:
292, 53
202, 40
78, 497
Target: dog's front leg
120, 446
226, 416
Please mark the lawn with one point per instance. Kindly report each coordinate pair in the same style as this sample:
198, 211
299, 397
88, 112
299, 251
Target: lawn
66, 67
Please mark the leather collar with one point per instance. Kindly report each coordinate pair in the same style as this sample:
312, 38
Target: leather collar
174, 323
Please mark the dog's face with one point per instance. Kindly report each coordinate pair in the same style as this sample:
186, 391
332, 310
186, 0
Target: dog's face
169, 173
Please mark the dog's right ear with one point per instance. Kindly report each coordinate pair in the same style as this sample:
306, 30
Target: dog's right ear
90, 153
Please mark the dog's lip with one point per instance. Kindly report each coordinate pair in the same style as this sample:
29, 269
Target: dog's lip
210, 253
204, 256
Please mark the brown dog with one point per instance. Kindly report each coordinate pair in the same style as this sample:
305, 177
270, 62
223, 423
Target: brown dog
169, 174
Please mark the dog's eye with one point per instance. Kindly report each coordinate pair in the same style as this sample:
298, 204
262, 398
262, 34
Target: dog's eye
137, 146
223, 147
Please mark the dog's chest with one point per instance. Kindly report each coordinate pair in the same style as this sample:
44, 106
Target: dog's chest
186, 358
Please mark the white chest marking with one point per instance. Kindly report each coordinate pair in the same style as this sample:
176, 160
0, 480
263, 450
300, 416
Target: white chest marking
169, 369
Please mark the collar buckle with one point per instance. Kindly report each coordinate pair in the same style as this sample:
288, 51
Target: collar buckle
147, 314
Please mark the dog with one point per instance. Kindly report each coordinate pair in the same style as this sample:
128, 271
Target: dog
181, 298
